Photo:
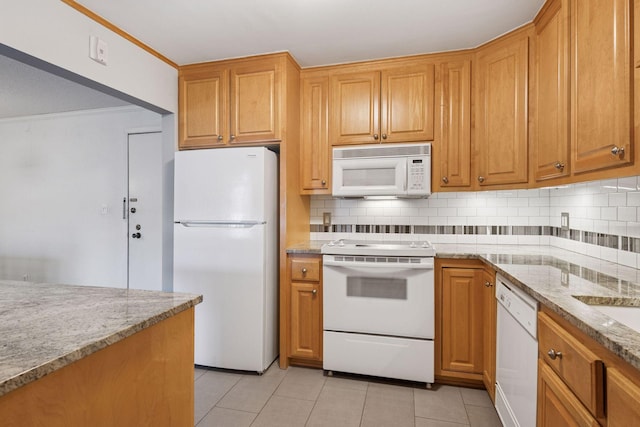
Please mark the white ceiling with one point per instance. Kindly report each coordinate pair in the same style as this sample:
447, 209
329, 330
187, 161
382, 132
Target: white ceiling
27, 91
316, 32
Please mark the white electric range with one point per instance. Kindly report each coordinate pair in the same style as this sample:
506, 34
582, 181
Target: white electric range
379, 309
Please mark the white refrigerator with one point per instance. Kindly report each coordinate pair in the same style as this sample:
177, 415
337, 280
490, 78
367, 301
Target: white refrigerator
225, 248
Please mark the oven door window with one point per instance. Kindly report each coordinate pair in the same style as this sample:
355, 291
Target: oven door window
375, 287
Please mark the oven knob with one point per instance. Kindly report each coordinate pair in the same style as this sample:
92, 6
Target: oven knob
425, 244
413, 245
341, 243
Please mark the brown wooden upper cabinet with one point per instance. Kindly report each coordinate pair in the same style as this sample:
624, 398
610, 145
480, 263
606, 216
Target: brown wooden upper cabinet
501, 146
455, 124
550, 143
315, 150
583, 91
601, 84
391, 105
230, 102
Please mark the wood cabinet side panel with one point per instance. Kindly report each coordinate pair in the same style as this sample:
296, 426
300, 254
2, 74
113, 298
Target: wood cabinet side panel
145, 379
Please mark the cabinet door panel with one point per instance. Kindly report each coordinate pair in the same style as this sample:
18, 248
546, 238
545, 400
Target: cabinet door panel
315, 151
306, 325
462, 320
601, 103
623, 400
202, 110
455, 150
406, 102
551, 140
557, 406
254, 104
355, 108
502, 113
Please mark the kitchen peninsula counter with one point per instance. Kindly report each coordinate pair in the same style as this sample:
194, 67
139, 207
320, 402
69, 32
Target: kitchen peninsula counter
61, 343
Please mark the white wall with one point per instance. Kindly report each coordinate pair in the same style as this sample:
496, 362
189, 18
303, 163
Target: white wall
58, 34
57, 175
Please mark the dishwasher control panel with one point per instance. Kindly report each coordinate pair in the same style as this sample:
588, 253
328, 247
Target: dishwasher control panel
520, 305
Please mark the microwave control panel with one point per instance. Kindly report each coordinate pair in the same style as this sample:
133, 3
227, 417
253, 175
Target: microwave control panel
418, 173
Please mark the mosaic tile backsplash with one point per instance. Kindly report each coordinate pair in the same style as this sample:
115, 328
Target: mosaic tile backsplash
604, 218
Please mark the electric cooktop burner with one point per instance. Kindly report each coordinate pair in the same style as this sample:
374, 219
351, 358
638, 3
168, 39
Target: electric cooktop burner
379, 248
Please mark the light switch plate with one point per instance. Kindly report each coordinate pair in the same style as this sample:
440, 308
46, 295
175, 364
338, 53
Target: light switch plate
98, 50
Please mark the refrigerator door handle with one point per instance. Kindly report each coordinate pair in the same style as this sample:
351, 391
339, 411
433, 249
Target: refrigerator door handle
221, 224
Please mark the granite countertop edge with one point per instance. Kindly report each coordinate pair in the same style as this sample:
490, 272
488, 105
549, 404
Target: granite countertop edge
38, 372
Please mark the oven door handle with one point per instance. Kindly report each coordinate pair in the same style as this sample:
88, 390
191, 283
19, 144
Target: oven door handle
396, 266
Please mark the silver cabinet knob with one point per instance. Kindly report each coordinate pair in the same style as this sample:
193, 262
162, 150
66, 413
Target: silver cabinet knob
315, 291
232, 137
559, 166
375, 136
304, 270
487, 284
481, 178
445, 179
617, 151
220, 137
324, 182
384, 136
553, 355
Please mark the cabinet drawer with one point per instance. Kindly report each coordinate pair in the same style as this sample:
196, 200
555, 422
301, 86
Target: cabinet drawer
579, 367
305, 269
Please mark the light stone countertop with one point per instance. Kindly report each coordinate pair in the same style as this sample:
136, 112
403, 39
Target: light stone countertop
539, 270
44, 327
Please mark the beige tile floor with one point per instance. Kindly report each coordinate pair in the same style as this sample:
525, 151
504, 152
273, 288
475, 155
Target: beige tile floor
306, 397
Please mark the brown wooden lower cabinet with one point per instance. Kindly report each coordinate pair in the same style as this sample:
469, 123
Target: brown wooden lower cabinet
557, 405
302, 330
465, 323
583, 384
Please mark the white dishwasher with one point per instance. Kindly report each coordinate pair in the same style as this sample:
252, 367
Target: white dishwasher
516, 355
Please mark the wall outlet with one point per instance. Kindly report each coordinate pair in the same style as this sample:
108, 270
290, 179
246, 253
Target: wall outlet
326, 219
564, 221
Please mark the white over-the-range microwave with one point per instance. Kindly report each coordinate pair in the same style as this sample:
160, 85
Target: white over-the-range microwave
400, 170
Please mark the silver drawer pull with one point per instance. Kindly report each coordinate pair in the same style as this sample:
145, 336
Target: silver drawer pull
553, 355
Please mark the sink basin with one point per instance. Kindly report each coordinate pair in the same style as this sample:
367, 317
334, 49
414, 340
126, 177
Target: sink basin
623, 310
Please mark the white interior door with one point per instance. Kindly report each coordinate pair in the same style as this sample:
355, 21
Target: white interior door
145, 211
